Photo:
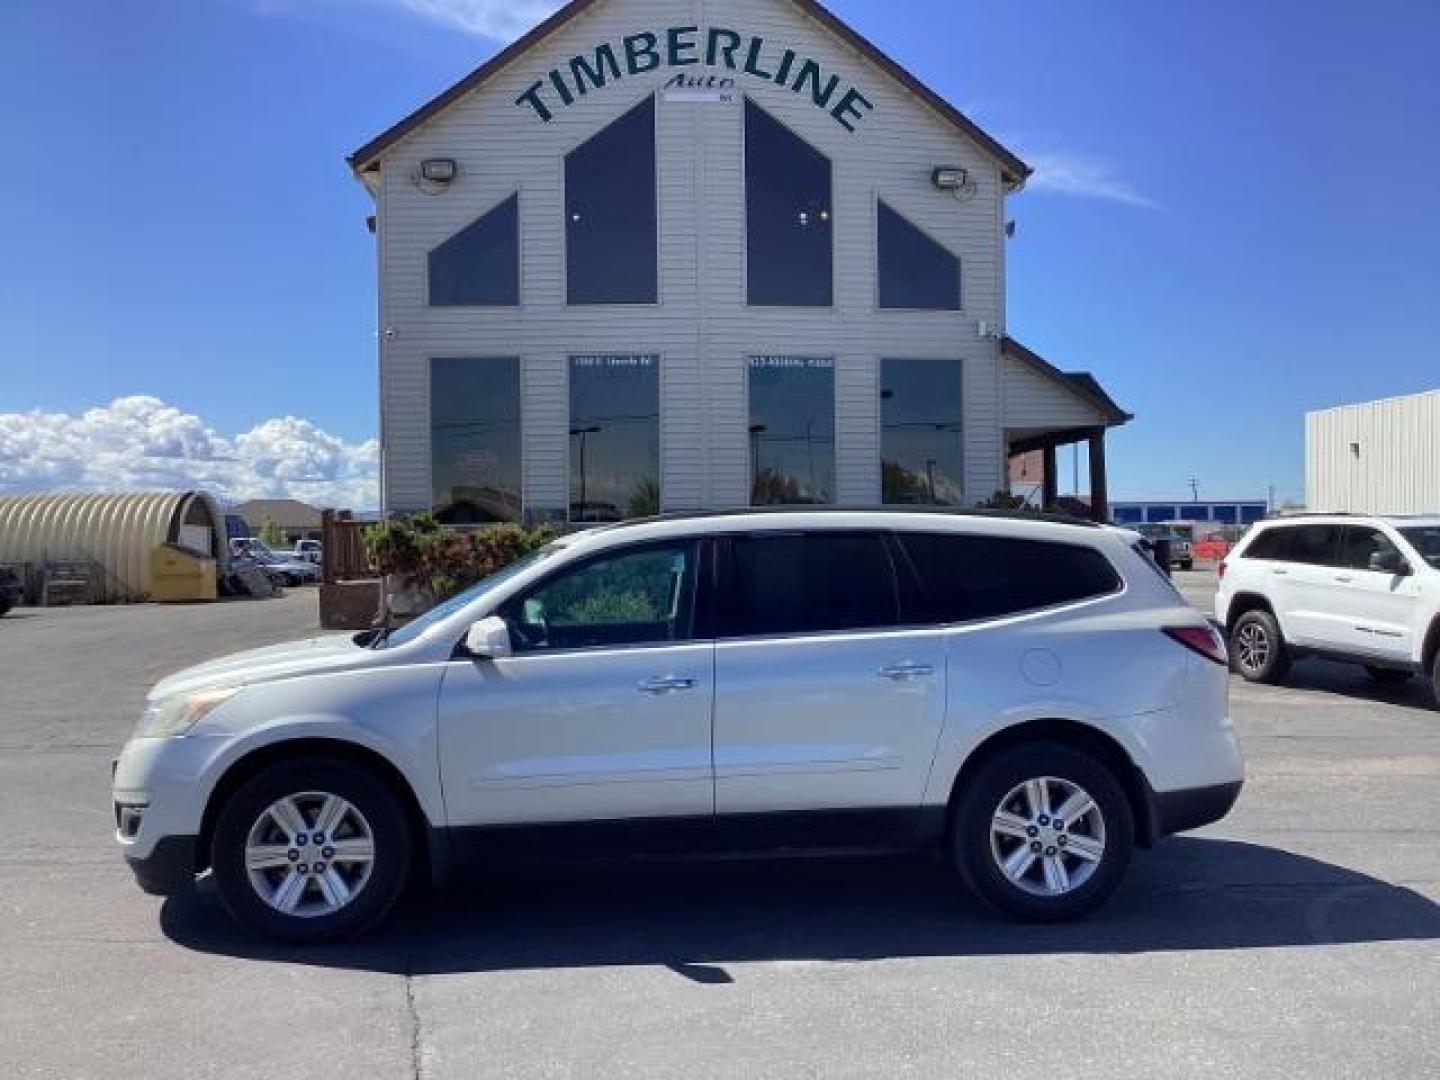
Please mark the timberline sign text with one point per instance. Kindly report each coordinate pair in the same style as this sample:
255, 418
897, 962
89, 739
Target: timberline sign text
715, 48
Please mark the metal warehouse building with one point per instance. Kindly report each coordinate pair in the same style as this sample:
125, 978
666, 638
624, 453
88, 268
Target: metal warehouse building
1381, 457
686, 254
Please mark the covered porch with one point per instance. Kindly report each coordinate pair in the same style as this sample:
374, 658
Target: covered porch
1047, 409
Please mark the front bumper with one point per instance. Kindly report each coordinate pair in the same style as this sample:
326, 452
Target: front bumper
169, 869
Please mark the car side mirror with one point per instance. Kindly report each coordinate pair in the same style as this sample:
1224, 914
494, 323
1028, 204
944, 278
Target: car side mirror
489, 639
1389, 562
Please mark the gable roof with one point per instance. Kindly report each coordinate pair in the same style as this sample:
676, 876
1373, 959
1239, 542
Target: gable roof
1080, 384
1012, 169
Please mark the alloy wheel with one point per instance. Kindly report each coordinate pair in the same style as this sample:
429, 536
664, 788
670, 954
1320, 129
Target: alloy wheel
1047, 836
1252, 647
309, 854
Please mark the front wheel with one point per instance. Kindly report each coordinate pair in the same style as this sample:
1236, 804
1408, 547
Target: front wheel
1043, 832
311, 850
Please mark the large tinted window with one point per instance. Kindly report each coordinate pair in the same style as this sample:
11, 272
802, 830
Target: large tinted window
792, 430
610, 226
808, 584
962, 578
475, 440
614, 437
1317, 545
921, 433
644, 596
480, 265
788, 216
915, 271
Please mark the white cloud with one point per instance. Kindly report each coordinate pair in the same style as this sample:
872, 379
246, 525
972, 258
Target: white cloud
141, 442
500, 20
1084, 178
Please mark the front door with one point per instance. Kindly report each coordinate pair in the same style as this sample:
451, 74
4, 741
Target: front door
602, 714
1375, 609
822, 702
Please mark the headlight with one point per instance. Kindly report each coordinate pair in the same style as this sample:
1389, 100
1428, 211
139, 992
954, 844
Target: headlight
177, 714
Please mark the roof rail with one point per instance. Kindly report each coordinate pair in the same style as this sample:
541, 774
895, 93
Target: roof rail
932, 511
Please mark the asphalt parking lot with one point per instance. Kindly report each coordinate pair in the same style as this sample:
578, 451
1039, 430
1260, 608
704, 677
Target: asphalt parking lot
1299, 938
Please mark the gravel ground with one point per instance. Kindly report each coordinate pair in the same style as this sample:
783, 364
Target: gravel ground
1296, 939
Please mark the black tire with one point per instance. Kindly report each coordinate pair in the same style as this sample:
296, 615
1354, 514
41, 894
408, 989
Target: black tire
1390, 676
977, 857
1435, 679
1258, 648
381, 809
1189, 564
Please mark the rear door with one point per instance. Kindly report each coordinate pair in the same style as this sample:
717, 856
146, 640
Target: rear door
823, 701
1306, 593
1375, 609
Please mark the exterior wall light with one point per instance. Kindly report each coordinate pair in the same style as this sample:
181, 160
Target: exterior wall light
950, 179
439, 170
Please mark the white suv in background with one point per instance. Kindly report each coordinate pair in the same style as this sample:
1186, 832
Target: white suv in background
1360, 589
1031, 697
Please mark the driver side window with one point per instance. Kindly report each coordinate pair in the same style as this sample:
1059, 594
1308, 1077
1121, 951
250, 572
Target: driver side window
642, 596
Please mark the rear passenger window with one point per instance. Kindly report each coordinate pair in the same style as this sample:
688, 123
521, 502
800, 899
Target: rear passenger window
813, 583
964, 578
1271, 544
1315, 545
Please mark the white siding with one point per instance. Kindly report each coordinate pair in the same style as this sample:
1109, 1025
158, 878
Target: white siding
702, 328
1382, 457
1033, 401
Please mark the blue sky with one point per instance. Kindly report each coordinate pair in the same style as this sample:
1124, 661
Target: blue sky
1233, 222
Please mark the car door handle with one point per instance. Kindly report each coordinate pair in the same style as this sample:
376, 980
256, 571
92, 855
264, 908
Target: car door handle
906, 672
1344, 579
1280, 573
665, 685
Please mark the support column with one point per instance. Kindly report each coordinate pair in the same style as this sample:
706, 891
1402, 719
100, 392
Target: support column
1051, 477
1099, 480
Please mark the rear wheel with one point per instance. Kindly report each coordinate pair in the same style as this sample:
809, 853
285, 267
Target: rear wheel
1435, 679
1043, 832
311, 850
1390, 676
1258, 648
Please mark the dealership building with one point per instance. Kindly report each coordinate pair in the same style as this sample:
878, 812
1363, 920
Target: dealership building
663, 255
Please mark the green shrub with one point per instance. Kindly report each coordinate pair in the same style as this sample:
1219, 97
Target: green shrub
439, 562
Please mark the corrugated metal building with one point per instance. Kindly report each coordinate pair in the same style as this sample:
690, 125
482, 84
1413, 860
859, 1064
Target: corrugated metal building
1380, 457
117, 534
691, 254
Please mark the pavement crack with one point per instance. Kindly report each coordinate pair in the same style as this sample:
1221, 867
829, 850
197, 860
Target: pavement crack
416, 1058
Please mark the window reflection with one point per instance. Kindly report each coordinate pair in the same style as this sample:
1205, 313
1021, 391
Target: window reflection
475, 440
922, 432
792, 430
788, 212
480, 265
614, 437
610, 230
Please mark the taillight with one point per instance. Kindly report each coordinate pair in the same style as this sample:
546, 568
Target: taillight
1205, 640
1220, 570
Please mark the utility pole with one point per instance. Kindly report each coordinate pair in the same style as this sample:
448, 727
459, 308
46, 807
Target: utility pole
1194, 490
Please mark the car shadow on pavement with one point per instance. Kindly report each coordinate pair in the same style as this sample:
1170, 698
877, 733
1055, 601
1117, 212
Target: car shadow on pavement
1188, 894
1352, 681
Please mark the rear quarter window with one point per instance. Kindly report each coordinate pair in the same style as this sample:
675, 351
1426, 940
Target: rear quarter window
1268, 544
961, 578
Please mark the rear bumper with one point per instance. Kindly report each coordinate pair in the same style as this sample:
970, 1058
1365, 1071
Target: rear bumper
1190, 808
168, 869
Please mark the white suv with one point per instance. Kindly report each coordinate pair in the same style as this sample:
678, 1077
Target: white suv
1031, 697
1361, 589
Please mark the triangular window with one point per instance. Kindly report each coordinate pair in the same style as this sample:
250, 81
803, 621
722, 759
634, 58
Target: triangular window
480, 265
916, 272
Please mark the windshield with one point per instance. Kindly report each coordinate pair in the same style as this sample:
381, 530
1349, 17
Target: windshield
1425, 540
413, 630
